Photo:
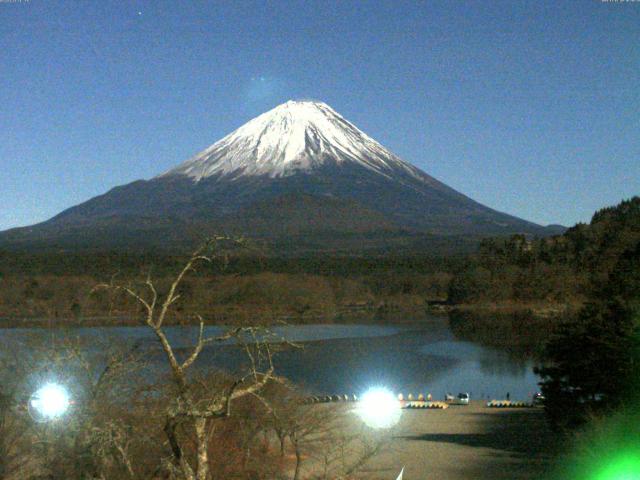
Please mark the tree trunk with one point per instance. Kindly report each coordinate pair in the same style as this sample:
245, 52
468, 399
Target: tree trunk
170, 432
203, 454
296, 447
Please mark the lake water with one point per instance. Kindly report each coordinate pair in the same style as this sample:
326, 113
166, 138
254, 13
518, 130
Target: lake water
347, 359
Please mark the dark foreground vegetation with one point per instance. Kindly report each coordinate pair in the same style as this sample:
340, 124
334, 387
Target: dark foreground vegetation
591, 369
122, 426
593, 361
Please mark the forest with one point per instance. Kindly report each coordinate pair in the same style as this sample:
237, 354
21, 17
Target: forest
562, 269
551, 276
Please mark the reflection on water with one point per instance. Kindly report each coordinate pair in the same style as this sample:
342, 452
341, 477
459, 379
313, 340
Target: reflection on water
185, 336
484, 372
499, 363
351, 358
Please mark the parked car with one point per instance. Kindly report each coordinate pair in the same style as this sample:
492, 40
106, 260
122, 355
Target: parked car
461, 399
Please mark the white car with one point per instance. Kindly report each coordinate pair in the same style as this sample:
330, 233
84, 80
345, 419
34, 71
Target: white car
461, 399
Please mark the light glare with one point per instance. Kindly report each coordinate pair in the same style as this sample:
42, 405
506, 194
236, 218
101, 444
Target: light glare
621, 468
50, 401
379, 408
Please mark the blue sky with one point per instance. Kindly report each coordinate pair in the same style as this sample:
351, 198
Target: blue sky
530, 107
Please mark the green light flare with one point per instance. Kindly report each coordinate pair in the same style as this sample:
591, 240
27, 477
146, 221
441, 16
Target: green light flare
608, 450
622, 467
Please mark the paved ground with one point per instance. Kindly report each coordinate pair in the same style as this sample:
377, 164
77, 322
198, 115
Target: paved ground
467, 442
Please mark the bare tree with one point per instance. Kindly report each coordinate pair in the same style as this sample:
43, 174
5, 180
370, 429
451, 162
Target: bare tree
99, 379
190, 407
14, 424
327, 441
339, 447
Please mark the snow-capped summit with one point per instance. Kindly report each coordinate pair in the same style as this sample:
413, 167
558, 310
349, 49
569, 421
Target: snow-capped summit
294, 136
297, 173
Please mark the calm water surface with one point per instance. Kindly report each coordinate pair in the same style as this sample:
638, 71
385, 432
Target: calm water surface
425, 358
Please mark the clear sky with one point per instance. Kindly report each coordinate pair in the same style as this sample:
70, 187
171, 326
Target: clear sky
530, 107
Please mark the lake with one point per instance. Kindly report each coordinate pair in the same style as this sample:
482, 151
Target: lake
348, 359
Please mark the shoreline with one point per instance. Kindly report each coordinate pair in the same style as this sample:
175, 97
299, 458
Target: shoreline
537, 309
400, 315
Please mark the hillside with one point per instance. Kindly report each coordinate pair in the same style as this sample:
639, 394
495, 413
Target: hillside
559, 269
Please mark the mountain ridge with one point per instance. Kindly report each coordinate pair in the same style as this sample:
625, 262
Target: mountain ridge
334, 179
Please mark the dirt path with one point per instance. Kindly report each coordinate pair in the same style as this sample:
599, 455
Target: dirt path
467, 442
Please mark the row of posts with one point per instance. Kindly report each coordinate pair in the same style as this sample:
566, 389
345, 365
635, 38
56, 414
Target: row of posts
354, 398
331, 398
410, 398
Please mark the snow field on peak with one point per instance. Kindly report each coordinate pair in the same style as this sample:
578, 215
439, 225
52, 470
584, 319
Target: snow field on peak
295, 136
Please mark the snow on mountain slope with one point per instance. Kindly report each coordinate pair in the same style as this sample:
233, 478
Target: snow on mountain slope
295, 136
297, 171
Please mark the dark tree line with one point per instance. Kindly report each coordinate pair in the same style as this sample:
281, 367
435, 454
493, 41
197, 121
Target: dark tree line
563, 269
593, 362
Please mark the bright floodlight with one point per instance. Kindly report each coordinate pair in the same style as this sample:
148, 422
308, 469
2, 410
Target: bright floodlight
50, 401
379, 408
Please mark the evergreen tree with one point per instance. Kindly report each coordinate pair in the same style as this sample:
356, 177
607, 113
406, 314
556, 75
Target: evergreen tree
593, 363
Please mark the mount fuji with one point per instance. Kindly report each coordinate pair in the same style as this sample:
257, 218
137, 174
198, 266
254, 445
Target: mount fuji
299, 174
